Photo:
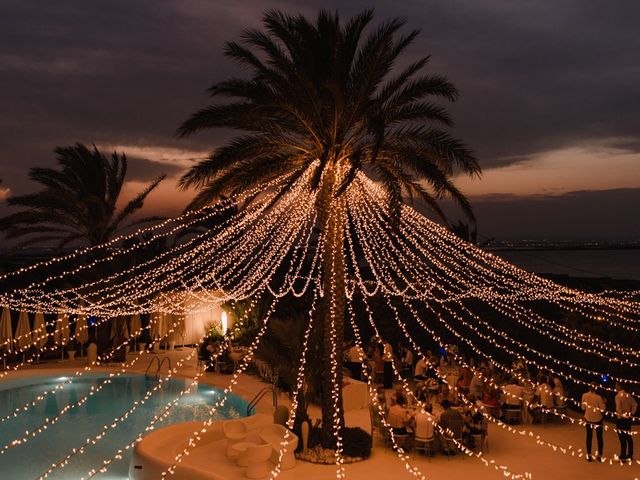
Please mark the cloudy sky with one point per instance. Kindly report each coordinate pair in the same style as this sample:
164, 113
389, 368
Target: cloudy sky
550, 96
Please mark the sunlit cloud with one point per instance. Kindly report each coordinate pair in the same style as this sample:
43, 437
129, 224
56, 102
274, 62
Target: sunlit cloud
599, 165
4, 193
159, 154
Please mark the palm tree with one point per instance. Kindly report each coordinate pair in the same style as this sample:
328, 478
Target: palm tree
325, 96
78, 203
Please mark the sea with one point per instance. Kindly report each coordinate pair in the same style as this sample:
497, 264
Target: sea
623, 264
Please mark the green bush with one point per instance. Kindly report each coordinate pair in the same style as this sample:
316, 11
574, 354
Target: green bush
357, 442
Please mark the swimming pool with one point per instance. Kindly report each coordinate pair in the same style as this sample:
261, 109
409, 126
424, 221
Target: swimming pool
29, 460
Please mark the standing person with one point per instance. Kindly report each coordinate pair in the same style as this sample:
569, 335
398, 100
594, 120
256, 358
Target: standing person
626, 406
593, 406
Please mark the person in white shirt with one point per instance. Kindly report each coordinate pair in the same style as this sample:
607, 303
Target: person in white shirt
355, 354
593, 406
545, 394
477, 384
421, 368
398, 417
424, 422
626, 407
512, 394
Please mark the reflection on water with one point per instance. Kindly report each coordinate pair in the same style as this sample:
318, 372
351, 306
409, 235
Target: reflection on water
89, 418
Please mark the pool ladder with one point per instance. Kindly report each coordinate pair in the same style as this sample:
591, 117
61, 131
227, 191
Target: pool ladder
160, 363
266, 390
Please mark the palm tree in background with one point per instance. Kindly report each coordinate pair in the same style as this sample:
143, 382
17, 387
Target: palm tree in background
78, 204
324, 96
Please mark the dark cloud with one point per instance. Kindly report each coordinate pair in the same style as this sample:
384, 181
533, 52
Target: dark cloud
533, 75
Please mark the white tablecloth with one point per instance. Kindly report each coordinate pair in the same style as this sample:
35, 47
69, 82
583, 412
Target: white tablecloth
355, 395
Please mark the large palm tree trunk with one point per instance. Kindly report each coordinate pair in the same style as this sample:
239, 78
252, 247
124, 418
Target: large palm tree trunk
331, 216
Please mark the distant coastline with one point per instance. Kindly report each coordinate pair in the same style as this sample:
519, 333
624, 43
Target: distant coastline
544, 245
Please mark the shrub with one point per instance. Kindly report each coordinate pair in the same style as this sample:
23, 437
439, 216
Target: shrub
357, 442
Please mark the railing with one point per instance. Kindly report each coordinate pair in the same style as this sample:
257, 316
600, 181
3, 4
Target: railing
160, 363
260, 395
156, 359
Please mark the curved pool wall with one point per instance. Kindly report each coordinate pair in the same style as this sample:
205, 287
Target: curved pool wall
34, 457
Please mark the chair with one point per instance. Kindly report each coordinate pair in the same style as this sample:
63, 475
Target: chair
234, 431
257, 458
450, 444
562, 411
425, 445
376, 422
513, 414
275, 435
453, 434
481, 440
403, 440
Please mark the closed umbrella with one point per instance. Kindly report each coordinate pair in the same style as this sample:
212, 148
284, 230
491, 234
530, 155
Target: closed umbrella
82, 331
6, 334
135, 328
164, 327
61, 334
154, 325
39, 334
179, 327
23, 332
118, 324
158, 328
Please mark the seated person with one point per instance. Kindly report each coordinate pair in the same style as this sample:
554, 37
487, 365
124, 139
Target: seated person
432, 387
513, 395
476, 386
420, 369
545, 393
464, 380
451, 420
406, 362
398, 417
355, 356
558, 393
424, 422
382, 397
397, 392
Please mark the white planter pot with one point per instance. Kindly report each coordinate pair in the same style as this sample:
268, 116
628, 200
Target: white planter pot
172, 345
141, 347
156, 347
72, 354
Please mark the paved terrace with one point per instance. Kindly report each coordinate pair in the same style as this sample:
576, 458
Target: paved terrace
520, 453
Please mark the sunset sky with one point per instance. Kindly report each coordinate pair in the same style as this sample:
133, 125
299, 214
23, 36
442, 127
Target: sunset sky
550, 96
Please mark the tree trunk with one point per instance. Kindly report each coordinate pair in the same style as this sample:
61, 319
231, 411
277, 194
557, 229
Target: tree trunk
331, 217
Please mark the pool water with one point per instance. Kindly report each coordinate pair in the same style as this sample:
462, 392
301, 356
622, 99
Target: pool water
31, 459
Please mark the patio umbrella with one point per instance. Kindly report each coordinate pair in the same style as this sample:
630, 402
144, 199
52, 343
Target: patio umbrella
23, 332
135, 328
114, 329
61, 334
154, 325
177, 322
82, 331
39, 335
6, 334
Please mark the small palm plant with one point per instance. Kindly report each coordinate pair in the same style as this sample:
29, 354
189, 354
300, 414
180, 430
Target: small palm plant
78, 204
